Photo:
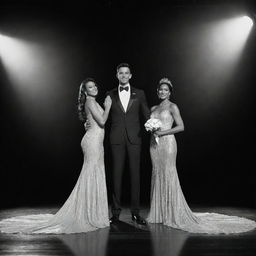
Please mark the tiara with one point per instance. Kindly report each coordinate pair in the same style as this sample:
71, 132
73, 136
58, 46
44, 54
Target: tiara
165, 81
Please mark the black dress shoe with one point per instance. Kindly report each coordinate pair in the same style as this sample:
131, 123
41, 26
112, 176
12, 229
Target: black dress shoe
114, 219
136, 218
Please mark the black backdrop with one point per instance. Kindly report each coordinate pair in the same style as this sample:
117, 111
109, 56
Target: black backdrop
40, 137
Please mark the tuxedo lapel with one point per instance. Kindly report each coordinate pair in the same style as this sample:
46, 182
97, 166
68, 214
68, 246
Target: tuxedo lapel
118, 101
133, 96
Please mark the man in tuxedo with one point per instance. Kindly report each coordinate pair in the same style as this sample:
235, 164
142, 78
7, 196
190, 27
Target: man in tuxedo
129, 105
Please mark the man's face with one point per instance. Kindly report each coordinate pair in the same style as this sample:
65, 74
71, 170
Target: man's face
123, 75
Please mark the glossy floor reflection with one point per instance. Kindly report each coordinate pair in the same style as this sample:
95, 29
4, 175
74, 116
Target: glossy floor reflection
92, 243
127, 238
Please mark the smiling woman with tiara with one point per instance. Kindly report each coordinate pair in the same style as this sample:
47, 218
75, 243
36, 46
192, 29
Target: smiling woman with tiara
168, 204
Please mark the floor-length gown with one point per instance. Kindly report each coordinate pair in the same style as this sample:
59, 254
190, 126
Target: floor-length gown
86, 209
168, 205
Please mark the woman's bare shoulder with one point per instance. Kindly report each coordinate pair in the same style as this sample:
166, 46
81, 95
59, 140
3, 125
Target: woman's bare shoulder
173, 107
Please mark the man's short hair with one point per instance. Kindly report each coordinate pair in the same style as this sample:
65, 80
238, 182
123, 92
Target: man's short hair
123, 65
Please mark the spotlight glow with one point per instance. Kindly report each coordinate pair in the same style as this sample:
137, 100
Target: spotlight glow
240, 28
236, 31
246, 22
227, 38
18, 57
220, 45
30, 68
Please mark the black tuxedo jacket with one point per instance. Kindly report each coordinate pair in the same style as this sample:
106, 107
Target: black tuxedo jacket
129, 122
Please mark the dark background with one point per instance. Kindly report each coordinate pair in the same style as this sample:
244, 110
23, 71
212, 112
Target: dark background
41, 156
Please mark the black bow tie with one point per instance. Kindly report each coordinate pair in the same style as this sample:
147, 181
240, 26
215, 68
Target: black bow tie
124, 88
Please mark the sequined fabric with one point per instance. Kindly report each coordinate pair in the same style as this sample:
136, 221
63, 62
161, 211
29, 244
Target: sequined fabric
168, 205
86, 209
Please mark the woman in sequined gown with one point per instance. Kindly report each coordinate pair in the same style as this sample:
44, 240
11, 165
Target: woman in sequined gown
86, 209
168, 205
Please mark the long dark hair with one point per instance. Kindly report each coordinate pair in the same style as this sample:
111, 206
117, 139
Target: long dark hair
82, 99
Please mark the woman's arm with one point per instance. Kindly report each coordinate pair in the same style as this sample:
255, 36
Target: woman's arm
98, 117
179, 125
153, 108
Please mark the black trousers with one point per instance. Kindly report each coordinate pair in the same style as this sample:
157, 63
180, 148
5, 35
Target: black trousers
119, 154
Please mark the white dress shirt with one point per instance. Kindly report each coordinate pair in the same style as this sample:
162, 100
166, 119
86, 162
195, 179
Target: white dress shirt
124, 96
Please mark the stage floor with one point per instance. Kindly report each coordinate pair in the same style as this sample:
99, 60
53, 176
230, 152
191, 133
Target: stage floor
130, 239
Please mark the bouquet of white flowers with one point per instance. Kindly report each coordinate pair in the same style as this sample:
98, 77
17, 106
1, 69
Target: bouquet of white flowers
152, 125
